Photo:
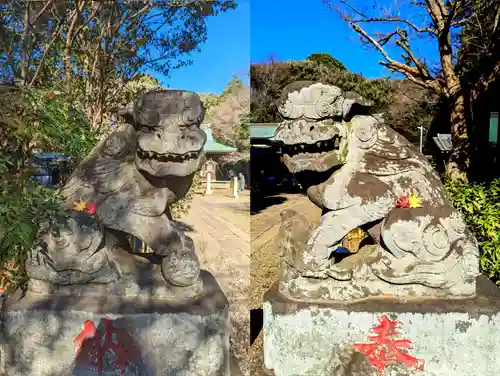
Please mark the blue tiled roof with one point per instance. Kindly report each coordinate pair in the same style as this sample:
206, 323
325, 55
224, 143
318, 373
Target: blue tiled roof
212, 145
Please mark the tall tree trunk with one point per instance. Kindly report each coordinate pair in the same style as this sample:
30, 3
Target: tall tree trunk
459, 160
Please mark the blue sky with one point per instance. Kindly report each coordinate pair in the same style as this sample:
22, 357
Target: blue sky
225, 54
284, 29
294, 29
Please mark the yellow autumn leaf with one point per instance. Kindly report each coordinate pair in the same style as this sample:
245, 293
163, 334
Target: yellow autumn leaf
80, 206
414, 201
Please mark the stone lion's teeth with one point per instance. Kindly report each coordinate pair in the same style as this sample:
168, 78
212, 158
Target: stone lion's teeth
302, 146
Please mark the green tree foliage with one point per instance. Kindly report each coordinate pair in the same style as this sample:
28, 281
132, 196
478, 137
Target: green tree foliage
32, 120
480, 207
268, 79
327, 60
478, 44
141, 83
91, 49
228, 114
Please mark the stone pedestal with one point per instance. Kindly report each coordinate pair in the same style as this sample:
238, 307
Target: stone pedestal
444, 337
57, 335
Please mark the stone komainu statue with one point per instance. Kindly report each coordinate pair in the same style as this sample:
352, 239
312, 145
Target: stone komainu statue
132, 177
378, 183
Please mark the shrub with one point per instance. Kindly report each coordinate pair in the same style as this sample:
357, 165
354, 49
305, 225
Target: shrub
31, 120
328, 60
480, 207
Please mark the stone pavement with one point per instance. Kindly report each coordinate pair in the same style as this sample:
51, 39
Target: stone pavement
220, 228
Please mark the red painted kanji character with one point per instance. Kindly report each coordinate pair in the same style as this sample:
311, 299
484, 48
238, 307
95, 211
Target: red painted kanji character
88, 331
96, 344
385, 349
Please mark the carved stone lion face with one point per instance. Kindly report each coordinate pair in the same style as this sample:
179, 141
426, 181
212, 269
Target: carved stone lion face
313, 133
169, 139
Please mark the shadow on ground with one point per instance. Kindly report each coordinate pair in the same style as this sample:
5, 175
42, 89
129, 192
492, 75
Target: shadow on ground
256, 323
183, 226
259, 203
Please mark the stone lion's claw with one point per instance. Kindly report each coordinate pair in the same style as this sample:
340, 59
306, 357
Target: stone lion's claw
339, 274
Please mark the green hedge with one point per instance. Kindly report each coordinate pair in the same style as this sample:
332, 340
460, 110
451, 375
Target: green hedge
480, 207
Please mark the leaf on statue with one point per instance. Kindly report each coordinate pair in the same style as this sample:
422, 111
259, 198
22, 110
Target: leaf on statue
414, 201
403, 202
80, 206
91, 209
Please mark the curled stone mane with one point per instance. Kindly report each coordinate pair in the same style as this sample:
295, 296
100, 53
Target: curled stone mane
325, 98
382, 144
290, 88
152, 107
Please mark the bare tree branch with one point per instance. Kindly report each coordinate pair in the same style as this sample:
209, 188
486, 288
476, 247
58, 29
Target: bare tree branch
412, 73
446, 83
396, 20
46, 50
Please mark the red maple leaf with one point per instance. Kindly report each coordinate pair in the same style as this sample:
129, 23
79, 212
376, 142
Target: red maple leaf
403, 202
91, 209
385, 348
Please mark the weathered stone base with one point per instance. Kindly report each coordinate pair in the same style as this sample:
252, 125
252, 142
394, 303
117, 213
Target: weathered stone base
370, 278
155, 337
449, 337
132, 276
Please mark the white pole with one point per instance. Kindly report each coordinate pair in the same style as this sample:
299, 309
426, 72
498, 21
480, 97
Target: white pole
209, 184
421, 137
235, 187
